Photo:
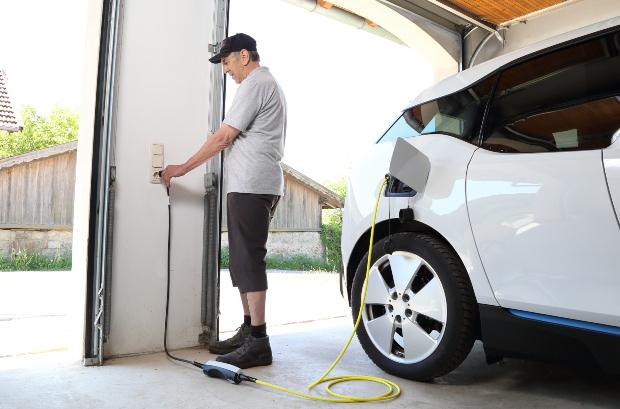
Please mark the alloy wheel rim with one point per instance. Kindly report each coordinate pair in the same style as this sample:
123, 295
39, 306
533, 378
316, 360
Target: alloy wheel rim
405, 311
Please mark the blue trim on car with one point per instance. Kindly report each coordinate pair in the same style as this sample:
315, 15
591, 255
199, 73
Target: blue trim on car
607, 329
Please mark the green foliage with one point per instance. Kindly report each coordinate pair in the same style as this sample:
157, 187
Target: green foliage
331, 228
330, 236
26, 261
339, 186
299, 263
40, 131
224, 258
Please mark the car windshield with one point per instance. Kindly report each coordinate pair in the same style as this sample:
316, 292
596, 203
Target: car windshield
399, 129
457, 115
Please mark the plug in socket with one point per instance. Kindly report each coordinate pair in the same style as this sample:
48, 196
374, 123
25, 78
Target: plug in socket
156, 162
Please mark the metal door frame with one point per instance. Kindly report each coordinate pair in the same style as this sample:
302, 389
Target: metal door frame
99, 265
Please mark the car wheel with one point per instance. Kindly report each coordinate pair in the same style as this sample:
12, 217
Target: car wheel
419, 319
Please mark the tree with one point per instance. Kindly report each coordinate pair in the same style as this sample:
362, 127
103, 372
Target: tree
331, 228
40, 131
339, 186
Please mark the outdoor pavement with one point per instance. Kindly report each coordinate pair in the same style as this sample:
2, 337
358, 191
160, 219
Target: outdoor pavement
33, 318
293, 297
33, 311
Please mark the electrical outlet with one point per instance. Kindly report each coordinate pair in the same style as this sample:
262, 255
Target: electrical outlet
157, 162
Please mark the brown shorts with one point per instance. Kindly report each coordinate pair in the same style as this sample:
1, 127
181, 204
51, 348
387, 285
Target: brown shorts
249, 215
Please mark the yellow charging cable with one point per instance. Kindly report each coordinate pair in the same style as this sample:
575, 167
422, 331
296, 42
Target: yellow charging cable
393, 390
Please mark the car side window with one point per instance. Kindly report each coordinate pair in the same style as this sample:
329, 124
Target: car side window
399, 129
458, 114
566, 100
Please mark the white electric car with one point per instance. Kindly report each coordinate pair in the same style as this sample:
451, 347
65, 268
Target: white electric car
503, 225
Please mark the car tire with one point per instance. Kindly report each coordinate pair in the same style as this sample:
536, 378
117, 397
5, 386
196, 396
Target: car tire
424, 328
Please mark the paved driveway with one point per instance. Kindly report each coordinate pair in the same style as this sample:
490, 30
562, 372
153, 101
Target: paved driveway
33, 318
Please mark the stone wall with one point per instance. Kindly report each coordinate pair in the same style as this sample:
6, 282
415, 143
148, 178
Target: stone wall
288, 244
46, 242
53, 242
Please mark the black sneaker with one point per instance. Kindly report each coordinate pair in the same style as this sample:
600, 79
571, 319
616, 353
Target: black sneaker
232, 343
253, 352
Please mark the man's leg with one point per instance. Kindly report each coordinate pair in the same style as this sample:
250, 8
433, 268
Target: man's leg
244, 331
256, 350
244, 302
251, 221
256, 301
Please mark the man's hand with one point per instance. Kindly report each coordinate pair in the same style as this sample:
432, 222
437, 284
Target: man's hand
172, 171
220, 140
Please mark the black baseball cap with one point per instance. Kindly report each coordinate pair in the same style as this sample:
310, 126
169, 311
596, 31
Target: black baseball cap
232, 44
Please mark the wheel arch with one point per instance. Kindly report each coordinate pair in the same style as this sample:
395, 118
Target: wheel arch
382, 230
391, 226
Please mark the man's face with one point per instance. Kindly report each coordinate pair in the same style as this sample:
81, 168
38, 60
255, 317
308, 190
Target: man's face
233, 66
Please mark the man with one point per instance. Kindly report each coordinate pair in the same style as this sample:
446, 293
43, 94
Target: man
253, 134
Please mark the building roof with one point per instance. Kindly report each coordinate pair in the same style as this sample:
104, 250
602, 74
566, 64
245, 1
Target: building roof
8, 119
329, 199
39, 154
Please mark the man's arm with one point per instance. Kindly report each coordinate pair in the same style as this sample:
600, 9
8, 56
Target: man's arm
217, 142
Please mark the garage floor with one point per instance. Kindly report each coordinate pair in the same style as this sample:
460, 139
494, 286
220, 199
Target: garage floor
301, 353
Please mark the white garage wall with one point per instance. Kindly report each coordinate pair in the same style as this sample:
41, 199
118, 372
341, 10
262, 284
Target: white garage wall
163, 94
83, 174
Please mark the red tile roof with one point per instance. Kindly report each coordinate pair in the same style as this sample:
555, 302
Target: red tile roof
8, 119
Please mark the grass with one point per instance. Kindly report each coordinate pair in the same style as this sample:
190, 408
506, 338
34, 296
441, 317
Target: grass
300, 263
28, 261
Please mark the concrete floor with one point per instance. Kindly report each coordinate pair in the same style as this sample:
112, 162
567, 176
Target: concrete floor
301, 353
305, 339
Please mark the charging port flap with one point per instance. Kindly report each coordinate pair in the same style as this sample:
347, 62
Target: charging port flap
409, 166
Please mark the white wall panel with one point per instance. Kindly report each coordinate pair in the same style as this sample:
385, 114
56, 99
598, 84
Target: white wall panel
163, 94
83, 173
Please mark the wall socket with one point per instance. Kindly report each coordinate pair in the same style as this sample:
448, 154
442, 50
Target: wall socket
156, 162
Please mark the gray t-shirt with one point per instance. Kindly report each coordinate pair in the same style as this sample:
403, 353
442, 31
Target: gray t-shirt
252, 161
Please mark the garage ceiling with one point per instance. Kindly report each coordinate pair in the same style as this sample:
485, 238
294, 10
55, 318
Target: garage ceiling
489, 13
500, 12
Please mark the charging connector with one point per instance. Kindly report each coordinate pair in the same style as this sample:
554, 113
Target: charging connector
215, 369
